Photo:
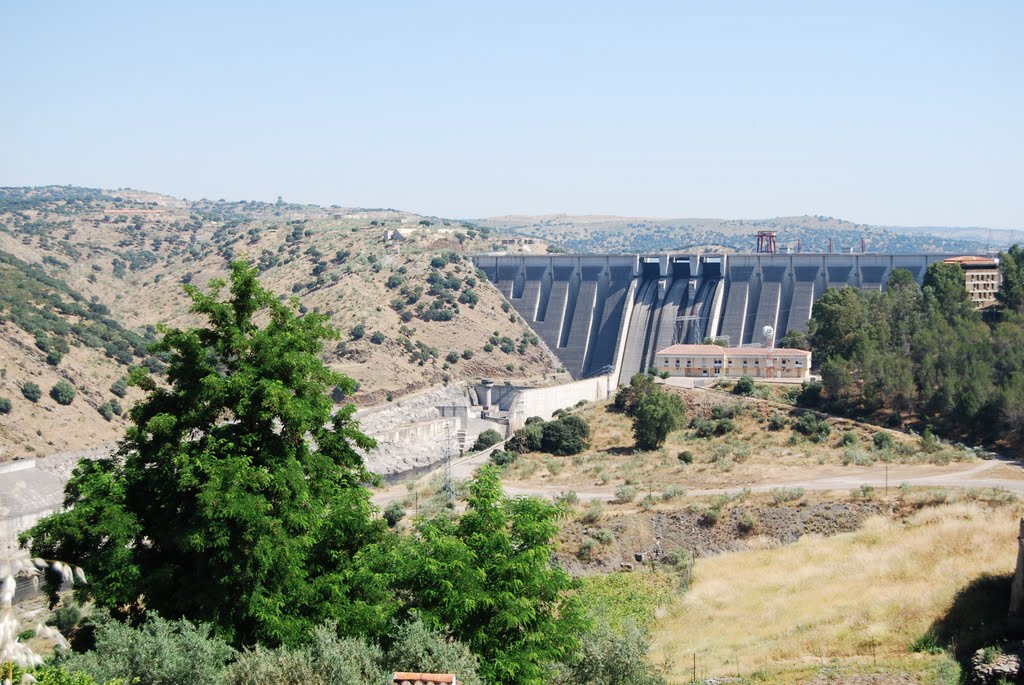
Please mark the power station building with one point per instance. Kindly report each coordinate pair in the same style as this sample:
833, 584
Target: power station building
713, 361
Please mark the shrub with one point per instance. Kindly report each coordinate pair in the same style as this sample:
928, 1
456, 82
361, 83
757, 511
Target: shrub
357, 331
452, 357
744, 386
673, 492
625, 493
503, 457
5, 405
158, 652
420, 648
723, 426
863, 492
882, 440
811, 427
377, 338
592, 512
848, 439
810, 394
748, 523
781, 495
467, 354
703, 428
65, 618
777, 422
569, 499
120, 387
394, 513
566, 436
486, 439
106, 411
528, 438
31, 392
605, 536
685, 457
63, 392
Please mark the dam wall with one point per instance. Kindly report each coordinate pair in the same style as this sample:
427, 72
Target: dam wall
610, 314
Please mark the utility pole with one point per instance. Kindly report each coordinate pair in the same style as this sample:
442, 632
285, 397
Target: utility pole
449, 487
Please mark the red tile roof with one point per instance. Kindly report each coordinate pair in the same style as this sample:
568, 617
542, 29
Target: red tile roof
423, 678
712, 350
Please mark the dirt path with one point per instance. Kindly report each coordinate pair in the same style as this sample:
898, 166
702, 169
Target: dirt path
827, 478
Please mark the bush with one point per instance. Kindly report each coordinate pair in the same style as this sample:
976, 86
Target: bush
486, 439
592, 512
158, 652
467, 354
811, 427
673, 492
723, 426
394, 513
5, 405
120, 387
882, 441
848, 439
528, 438
420, 648
702, 428
63, 392
613, 657
106, 411
810, 394
685, 457
503, 457
744, 386
565, 436
777, 422
568, 498
357, 331
781, 495
31, 392
625, 493
377, 338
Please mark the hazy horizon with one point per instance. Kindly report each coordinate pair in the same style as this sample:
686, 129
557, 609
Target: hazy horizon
892, 114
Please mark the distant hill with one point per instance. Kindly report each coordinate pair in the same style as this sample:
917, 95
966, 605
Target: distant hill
610, 234
89, 273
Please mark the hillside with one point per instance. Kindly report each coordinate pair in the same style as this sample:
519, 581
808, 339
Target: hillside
411, 311
608, 234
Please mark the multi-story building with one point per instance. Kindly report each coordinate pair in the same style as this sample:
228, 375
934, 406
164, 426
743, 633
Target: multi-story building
981, 278
710, 361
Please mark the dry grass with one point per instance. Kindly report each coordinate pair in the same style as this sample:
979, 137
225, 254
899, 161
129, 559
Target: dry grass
751, 453
865, 595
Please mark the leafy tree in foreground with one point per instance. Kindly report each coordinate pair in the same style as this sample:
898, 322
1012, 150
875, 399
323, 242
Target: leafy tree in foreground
236, 498
488, 578
656, 415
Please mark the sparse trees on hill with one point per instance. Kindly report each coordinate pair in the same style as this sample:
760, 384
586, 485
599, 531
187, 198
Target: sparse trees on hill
923, 354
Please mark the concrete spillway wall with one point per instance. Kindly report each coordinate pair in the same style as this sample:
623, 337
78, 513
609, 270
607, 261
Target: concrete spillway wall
609, 314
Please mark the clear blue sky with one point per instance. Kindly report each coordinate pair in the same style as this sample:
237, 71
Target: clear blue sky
884, 112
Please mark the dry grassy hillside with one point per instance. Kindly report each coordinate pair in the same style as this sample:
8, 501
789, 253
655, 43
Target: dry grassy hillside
435, 319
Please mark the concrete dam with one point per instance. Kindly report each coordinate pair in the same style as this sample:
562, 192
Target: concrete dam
609, 314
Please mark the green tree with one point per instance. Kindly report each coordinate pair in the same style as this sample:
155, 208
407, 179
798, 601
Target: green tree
489, 578
1011, 290
564, 436
628, 397
63, 392
657, 414
237, 498
31, 391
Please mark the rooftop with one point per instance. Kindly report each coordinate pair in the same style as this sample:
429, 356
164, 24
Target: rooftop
423, 678
708, 350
